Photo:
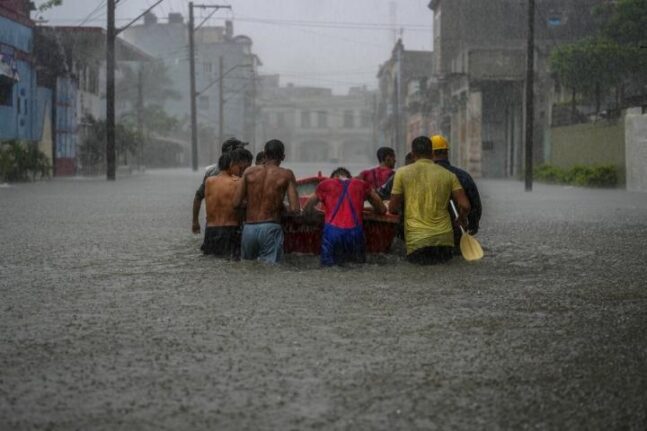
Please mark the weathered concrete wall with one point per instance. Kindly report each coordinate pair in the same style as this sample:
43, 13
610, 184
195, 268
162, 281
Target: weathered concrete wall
636, 150
589, 144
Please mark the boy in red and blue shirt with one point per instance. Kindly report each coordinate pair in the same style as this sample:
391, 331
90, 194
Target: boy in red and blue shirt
342, 198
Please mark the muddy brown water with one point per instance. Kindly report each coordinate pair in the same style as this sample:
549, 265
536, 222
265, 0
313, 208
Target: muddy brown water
111, 319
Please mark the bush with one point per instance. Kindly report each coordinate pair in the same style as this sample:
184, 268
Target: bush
579, 175
550, 174
598, 176
22, 162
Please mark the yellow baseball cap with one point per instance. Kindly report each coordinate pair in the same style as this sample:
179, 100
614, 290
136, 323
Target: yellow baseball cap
439, 142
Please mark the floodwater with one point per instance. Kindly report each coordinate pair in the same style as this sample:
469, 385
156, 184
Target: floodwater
110, 318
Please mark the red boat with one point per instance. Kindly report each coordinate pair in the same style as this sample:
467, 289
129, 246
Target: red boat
304, 236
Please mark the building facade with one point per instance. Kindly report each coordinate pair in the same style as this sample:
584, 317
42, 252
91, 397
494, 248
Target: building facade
479, 63
20, 107
403, 78
215, 48
317, 125
72, 67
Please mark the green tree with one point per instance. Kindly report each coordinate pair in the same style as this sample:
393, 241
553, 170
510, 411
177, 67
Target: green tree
591, 67
157, 87
611, 59
628, 23
93, 143
48, 4
21, 161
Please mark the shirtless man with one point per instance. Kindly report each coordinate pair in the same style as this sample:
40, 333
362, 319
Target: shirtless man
222, 234
264, 187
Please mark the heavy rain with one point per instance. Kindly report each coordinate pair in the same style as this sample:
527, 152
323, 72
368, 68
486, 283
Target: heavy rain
115, 315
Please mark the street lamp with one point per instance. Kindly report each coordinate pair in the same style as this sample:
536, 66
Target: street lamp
221, 100
194, 119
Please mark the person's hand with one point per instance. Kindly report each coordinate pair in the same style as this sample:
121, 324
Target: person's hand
196, 227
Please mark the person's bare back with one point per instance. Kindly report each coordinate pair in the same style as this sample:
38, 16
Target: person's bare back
264, 188
219, 198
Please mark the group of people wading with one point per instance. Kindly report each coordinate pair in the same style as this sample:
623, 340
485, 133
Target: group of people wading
239, 195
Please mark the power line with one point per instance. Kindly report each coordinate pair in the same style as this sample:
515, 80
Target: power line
342, 25
335, 24
90, 17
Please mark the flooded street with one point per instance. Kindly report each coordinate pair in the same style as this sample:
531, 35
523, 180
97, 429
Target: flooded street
110, 318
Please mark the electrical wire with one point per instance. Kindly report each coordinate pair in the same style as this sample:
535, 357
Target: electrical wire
90, 17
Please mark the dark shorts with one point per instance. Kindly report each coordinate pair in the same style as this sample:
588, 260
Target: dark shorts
339, 246
222, 241
431, 255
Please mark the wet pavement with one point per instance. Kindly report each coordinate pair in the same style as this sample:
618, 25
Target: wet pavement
111, 319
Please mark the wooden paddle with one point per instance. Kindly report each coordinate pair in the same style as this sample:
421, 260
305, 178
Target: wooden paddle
470, 247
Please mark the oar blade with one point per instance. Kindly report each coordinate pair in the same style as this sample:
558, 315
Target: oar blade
470, 248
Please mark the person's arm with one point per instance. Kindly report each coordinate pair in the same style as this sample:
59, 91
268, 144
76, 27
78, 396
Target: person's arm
309, 207
385, 190
197, 203
395, 204
241, 192
293, 195
476, 210
376, 202
463, 204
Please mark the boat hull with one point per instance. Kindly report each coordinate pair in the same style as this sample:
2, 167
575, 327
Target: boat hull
304, 235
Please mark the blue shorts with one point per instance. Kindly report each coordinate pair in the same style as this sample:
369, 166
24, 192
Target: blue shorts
339, 245
262, 241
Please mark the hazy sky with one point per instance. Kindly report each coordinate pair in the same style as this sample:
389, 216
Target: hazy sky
327, 43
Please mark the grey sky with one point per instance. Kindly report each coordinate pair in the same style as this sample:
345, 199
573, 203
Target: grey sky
327, 43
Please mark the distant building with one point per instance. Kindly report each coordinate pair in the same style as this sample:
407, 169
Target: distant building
402, 78
22, 104
72, 67
168, 41
317, 125
479, 62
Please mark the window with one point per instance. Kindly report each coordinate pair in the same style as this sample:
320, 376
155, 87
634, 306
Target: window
203, 102
322, 119
305, 119
280, 119
366, 119
6, 92
348, 120
207, 67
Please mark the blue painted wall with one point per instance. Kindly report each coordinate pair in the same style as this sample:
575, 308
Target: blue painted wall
18, 120
17, 35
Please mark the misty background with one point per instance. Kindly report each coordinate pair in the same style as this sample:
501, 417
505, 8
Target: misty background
335, 43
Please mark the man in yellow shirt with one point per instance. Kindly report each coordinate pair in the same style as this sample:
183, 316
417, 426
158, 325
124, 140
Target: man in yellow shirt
426, 189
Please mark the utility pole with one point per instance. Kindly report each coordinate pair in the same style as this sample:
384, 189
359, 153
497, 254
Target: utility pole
194, 94
221, 101
111, 35
140, 115
194, 115
530, 94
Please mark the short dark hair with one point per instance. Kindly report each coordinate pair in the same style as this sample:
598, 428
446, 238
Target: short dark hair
231, 144
241, 155
408, 158
260, 157
341, 171
224, 162
384, 152
421, 146
274, 150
